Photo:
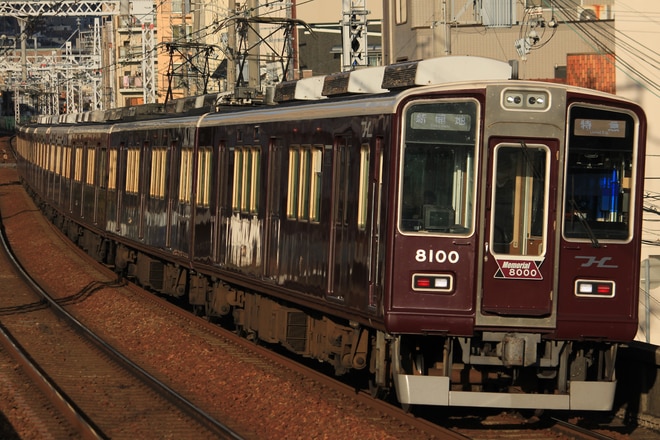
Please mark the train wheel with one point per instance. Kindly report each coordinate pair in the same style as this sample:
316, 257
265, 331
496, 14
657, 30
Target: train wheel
418, 363
377, 391
412, 362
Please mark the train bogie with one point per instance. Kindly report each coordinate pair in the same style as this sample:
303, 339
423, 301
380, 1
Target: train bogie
472, 243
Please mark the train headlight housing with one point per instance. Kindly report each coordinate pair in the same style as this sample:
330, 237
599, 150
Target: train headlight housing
595, 288
537, 100
424, 282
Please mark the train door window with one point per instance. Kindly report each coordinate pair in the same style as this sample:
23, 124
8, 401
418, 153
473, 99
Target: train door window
438, 167
363, 191
204, 177
519, 199
132, 170
599, 174
185, 175
158, 172
112, 169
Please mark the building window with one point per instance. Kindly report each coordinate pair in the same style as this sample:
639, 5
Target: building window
400, 11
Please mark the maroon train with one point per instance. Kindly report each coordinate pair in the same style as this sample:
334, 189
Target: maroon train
460, 236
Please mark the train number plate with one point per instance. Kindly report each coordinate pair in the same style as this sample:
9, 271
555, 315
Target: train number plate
519, 269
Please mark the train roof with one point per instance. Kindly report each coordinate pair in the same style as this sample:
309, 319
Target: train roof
382, 80
340, 94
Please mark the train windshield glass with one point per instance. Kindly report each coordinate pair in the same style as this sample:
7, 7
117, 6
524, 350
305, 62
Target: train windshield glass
599, 174
437, 175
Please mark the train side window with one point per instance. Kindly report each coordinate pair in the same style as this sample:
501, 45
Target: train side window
599, 174
315, 183
293, 182
363, 191
112, 169
237, 196
204, 177
304, 188
101, 167
255, 179
91, 161
78, 163
185, 175
66, 162
247, 166
53, 165
158, 172
132, 170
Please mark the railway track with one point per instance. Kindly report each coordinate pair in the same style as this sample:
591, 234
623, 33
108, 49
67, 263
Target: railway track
98, 391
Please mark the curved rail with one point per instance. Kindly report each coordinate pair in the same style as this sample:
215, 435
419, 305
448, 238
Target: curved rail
74, 415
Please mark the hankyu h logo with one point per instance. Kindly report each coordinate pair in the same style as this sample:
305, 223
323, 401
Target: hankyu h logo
592, 261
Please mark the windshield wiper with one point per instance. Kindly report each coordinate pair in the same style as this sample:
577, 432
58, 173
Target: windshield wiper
585, 223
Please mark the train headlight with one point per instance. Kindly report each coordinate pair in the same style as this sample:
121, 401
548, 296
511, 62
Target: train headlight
425, 282
595, 288
537, 100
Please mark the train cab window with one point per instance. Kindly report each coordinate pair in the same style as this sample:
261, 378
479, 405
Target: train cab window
599, 174
519, 199
437, 173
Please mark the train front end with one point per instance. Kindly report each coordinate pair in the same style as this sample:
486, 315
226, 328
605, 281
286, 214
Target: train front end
513, 266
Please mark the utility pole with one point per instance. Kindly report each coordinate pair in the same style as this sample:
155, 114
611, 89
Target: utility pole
354, 34
231, 49
253, 43
148, 64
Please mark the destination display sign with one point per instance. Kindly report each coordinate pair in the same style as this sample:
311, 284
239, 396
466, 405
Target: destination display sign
600, 127
441, 121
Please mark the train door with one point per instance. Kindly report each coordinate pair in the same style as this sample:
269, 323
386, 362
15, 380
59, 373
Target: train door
223, 211
101, 185
520, 229
273, 203
350, 239
204, 237
374, 187
339, 231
